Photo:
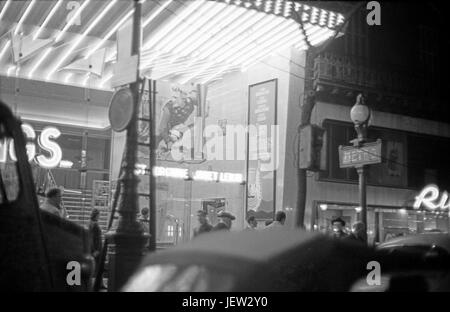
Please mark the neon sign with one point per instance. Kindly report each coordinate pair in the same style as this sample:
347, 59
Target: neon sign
170, 172
198, 175
429, 198
45, 141
204, 175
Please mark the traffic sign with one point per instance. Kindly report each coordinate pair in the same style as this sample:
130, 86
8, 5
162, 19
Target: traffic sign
368, 153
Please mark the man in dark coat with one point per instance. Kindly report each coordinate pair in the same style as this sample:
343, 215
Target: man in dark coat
225, 221
338, 225
204, 226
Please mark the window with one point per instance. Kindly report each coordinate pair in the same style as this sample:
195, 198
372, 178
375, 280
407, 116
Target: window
428, 161
170, 230
98, 153
338, 134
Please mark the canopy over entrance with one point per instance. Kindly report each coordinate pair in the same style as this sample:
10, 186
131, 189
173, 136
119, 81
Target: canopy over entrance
74, 42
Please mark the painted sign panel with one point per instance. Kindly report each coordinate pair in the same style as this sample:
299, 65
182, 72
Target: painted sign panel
261, 169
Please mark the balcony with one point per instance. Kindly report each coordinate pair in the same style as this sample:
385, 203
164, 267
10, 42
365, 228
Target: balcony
352, 73
338, 79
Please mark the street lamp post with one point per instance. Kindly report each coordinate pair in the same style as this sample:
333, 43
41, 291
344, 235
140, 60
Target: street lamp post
127, 241
360, 115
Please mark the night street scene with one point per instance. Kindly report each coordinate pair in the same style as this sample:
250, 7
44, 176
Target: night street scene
224, 146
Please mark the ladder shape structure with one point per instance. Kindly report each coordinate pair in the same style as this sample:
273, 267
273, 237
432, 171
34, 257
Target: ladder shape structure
146, 134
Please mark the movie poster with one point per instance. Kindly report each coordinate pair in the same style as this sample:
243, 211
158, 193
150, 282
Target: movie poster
262, 153
179, 122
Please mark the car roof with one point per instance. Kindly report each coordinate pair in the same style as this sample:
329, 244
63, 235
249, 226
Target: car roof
258, 245
425, 239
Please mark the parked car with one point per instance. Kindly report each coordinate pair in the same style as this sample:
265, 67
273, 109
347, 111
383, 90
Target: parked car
430, 270
35, 246
270, 260
425, 242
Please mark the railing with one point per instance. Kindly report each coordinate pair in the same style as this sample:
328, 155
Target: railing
353, 72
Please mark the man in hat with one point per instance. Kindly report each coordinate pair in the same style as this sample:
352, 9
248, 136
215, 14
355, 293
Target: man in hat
338, 225
225, 221
204, 226
53, 202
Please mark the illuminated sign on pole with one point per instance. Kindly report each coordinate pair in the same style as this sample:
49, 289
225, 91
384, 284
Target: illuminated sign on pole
45, 141
429, 198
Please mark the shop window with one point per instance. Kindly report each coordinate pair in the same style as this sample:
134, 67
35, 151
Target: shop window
400, 222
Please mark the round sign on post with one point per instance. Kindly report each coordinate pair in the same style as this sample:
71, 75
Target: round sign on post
121, 109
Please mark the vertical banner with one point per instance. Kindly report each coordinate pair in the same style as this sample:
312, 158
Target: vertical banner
262, 150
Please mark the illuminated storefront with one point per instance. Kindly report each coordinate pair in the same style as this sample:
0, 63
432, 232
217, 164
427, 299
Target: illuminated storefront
402, 195
384, 222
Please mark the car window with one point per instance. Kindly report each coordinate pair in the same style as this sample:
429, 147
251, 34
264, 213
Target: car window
170, 278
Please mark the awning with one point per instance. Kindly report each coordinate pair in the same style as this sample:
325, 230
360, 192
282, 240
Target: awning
73, 42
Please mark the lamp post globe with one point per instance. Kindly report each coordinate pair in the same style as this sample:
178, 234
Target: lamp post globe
360, 113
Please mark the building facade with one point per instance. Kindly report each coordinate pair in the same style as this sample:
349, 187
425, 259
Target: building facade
398, 68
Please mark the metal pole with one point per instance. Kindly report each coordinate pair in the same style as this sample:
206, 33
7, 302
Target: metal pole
128, 240
128, 207
152, 163
362, 194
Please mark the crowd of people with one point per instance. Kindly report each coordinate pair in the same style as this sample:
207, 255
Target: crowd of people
226, 220
53, 205
357, 234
